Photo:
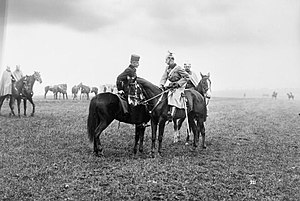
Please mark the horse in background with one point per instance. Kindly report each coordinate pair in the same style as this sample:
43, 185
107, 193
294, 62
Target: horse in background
50, 88
157, 103
204, 88
290, 95
59, 88
62, 89
22, 89
75, 90
104, 108
274, 95
94, 90
84, 90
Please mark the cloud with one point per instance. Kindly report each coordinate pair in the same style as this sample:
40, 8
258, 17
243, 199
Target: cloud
79, 15
186, 23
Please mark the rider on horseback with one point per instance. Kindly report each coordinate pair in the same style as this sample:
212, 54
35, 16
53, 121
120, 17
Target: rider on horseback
194, 80
178, 79
122, 79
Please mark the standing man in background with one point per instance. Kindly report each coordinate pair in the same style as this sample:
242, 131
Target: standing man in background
6, 82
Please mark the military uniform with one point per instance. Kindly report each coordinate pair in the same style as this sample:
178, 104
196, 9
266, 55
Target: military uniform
175, 74
194, 80
129, 71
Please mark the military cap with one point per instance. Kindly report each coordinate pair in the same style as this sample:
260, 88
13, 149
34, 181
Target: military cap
134, 57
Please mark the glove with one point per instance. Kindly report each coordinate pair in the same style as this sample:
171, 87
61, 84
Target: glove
162, 87
121, 92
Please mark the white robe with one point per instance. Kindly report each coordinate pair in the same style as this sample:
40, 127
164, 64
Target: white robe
6, 83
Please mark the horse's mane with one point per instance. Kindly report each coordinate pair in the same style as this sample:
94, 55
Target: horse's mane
145, 83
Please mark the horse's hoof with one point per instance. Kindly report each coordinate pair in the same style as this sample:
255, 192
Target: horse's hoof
203, 147
186, 143
32, 115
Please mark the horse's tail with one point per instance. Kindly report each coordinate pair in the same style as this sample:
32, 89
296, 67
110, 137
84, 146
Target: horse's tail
93, 119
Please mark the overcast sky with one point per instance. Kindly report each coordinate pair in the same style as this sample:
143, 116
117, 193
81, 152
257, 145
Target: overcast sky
244, 44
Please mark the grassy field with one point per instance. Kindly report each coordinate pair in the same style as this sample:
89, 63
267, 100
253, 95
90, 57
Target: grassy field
253, 153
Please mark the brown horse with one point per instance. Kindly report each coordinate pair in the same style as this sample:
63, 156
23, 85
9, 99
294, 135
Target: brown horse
75, 90
156, 102
22, 89
84, 90
204, 88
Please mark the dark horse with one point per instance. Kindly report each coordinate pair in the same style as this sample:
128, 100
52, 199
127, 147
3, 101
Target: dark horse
156, 102
104, 108
22, 89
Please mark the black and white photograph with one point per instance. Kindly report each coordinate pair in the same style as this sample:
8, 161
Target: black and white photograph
149, 100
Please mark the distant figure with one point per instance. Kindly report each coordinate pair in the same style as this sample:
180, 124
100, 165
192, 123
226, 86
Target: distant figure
104, 88
17, 73
274, 95
6, 82
244, 95
290, 96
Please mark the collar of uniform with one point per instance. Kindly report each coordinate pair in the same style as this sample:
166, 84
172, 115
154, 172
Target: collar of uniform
171, 66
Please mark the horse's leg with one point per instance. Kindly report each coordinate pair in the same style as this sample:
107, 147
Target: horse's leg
11, 104
180, 122
142, 134
202, 130
2, 98
195, 132
153, 136
98, 149
176, 131
136, 138
161, 130
33, 106
18, 104
25, 106
66, 96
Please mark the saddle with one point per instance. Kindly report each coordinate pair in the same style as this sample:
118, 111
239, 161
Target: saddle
123, 103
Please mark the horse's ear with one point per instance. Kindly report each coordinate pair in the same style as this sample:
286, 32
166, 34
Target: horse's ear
208, 74
201, 74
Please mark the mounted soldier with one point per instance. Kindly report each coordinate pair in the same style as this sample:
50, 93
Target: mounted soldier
122, 79
178, 79
194, 80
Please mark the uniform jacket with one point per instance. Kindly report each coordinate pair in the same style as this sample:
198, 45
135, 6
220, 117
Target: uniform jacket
122, 78
175, 74
194, 80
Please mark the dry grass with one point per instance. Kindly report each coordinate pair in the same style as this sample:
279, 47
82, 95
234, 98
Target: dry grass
252, 154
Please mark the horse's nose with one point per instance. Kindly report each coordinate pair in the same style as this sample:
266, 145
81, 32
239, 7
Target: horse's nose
208, 95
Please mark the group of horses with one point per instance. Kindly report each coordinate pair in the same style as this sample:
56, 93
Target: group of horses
60, 88
83, 89
105, 107
22, 90
290, 95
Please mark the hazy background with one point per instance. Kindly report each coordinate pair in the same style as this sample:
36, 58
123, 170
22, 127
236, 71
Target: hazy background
250, 46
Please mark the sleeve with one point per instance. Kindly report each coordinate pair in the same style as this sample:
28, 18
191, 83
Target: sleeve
164, 77
184, 76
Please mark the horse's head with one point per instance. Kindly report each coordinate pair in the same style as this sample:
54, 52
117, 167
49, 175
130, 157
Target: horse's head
37, 77
204, 86
134, 91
